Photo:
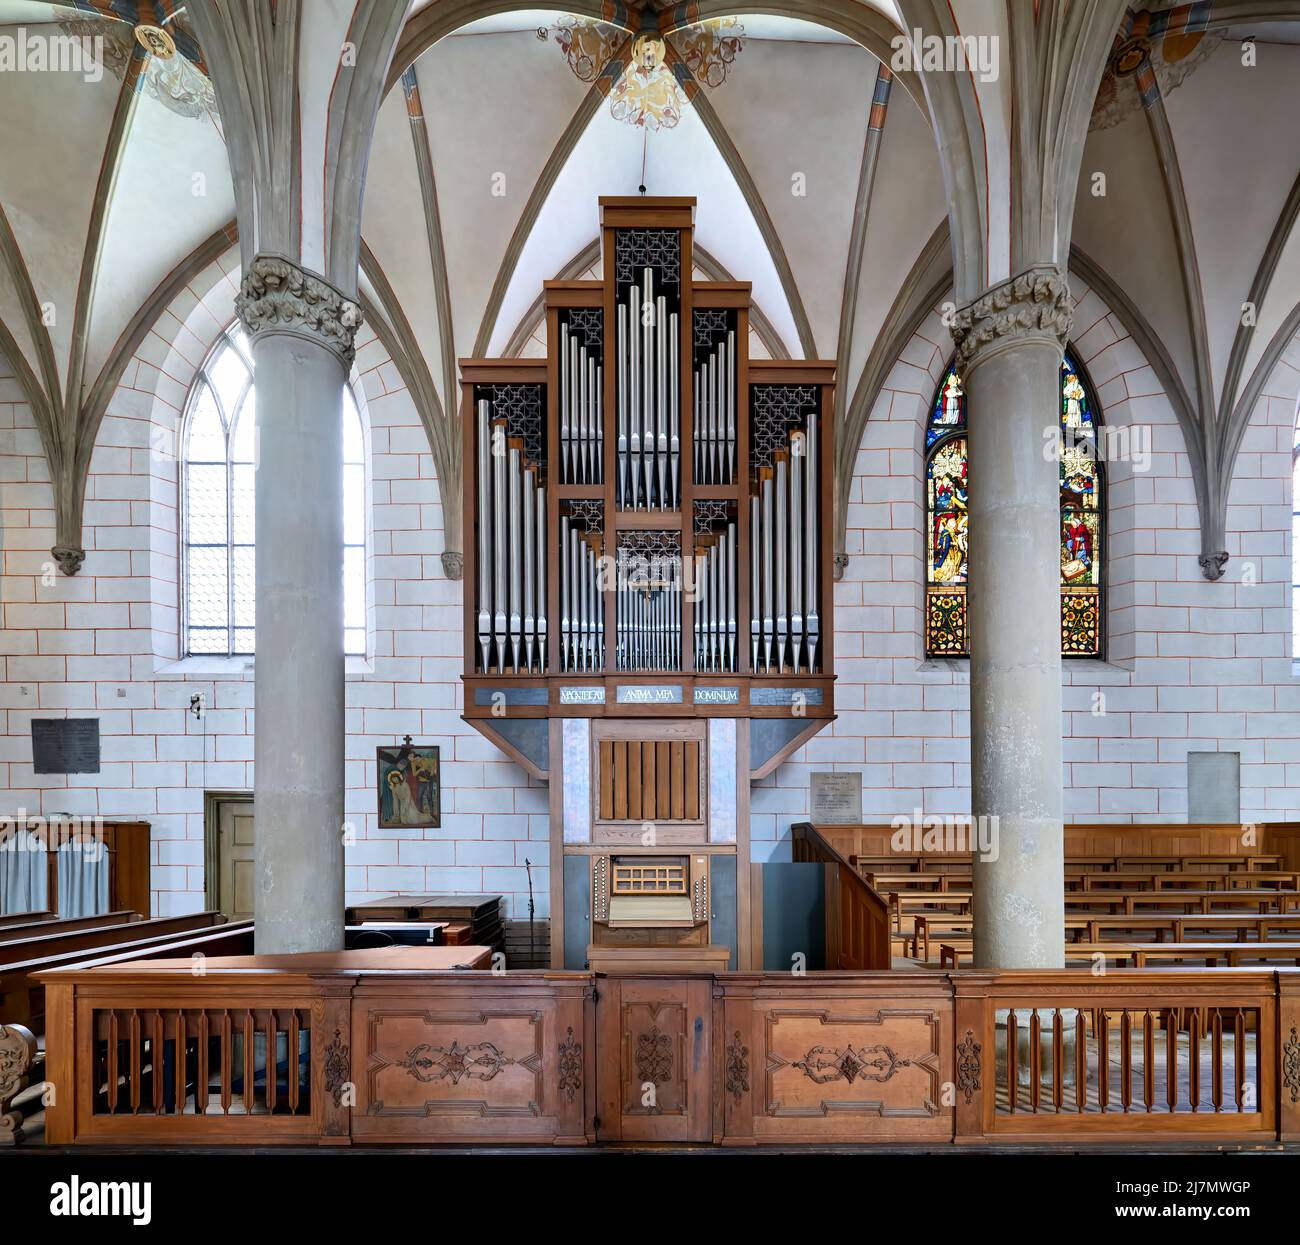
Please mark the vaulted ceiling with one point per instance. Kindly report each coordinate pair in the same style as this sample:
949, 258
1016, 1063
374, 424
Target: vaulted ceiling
490, 153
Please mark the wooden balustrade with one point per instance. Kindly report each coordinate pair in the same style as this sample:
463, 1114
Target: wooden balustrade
1175, 1054
143, 1054
857, 916
187, 1061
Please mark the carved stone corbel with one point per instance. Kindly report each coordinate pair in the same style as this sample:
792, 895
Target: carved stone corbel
453, 564
278, 296
69, 558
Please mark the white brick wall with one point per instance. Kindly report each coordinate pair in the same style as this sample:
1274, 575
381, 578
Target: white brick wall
1192, 665
105, 640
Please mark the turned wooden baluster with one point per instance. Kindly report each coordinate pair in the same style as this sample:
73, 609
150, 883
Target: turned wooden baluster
157, 1044
1216, 1060
1148, 1061
201, 1076
181, 1056
1125, 1060
1058, 1060
293, 1065
1013, 1086
1080, 1060
250, 1092
1035, 1059
112, 1061
1103, 1060
1171, 1059
226, 1053
1239, 1057
133, 1068
1194, 1058
272, 1058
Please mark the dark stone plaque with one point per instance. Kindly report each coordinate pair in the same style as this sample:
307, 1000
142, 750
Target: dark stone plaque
65, 745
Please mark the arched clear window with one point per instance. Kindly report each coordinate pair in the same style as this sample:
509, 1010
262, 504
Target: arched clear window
217, 508
1083, 508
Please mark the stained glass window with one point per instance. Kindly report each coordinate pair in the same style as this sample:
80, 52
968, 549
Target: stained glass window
217, 506
1082, 509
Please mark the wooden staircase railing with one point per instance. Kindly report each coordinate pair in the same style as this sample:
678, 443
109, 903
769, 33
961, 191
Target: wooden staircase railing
857, 916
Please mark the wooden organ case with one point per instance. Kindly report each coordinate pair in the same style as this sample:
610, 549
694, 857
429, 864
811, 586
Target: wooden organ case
648, 589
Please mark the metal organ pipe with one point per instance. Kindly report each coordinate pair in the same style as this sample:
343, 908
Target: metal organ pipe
647, 381
674, 410
812, 626
542, 562
530, 563
755, 615
731, 406
621, 364
484, 534
796, 550
780, 581
498, 540
769, 557
514, 553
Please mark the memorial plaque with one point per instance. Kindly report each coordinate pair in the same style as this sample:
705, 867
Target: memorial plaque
837, 799
65, 745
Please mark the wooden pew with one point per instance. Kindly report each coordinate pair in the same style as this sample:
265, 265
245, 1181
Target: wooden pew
23, 918
1160, 879
22, 999
36, 945
65, 925
1137, 954
21, 992
1088, 928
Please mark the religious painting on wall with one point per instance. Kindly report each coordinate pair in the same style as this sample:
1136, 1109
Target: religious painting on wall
1082, 508
410, 785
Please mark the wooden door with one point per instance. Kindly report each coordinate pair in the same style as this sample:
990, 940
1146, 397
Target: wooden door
236, 868
653, 1058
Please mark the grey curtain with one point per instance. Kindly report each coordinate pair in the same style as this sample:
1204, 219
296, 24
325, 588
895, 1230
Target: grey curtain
24, 876
83, 879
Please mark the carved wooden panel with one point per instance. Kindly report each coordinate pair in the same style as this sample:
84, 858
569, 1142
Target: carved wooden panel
653, 1058
846, 1067
488, 1063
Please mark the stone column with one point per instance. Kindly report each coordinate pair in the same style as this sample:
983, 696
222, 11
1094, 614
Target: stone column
1009, 344
301, 329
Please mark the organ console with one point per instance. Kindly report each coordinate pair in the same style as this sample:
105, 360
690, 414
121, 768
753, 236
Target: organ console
648, 601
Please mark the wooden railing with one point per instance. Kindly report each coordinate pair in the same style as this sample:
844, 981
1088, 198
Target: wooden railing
857, 917
278, 1056
1176, 1054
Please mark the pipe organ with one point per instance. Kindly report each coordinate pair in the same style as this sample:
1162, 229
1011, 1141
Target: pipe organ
648, 591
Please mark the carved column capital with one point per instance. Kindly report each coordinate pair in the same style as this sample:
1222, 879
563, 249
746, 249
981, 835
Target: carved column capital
1033, 305
277, 296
